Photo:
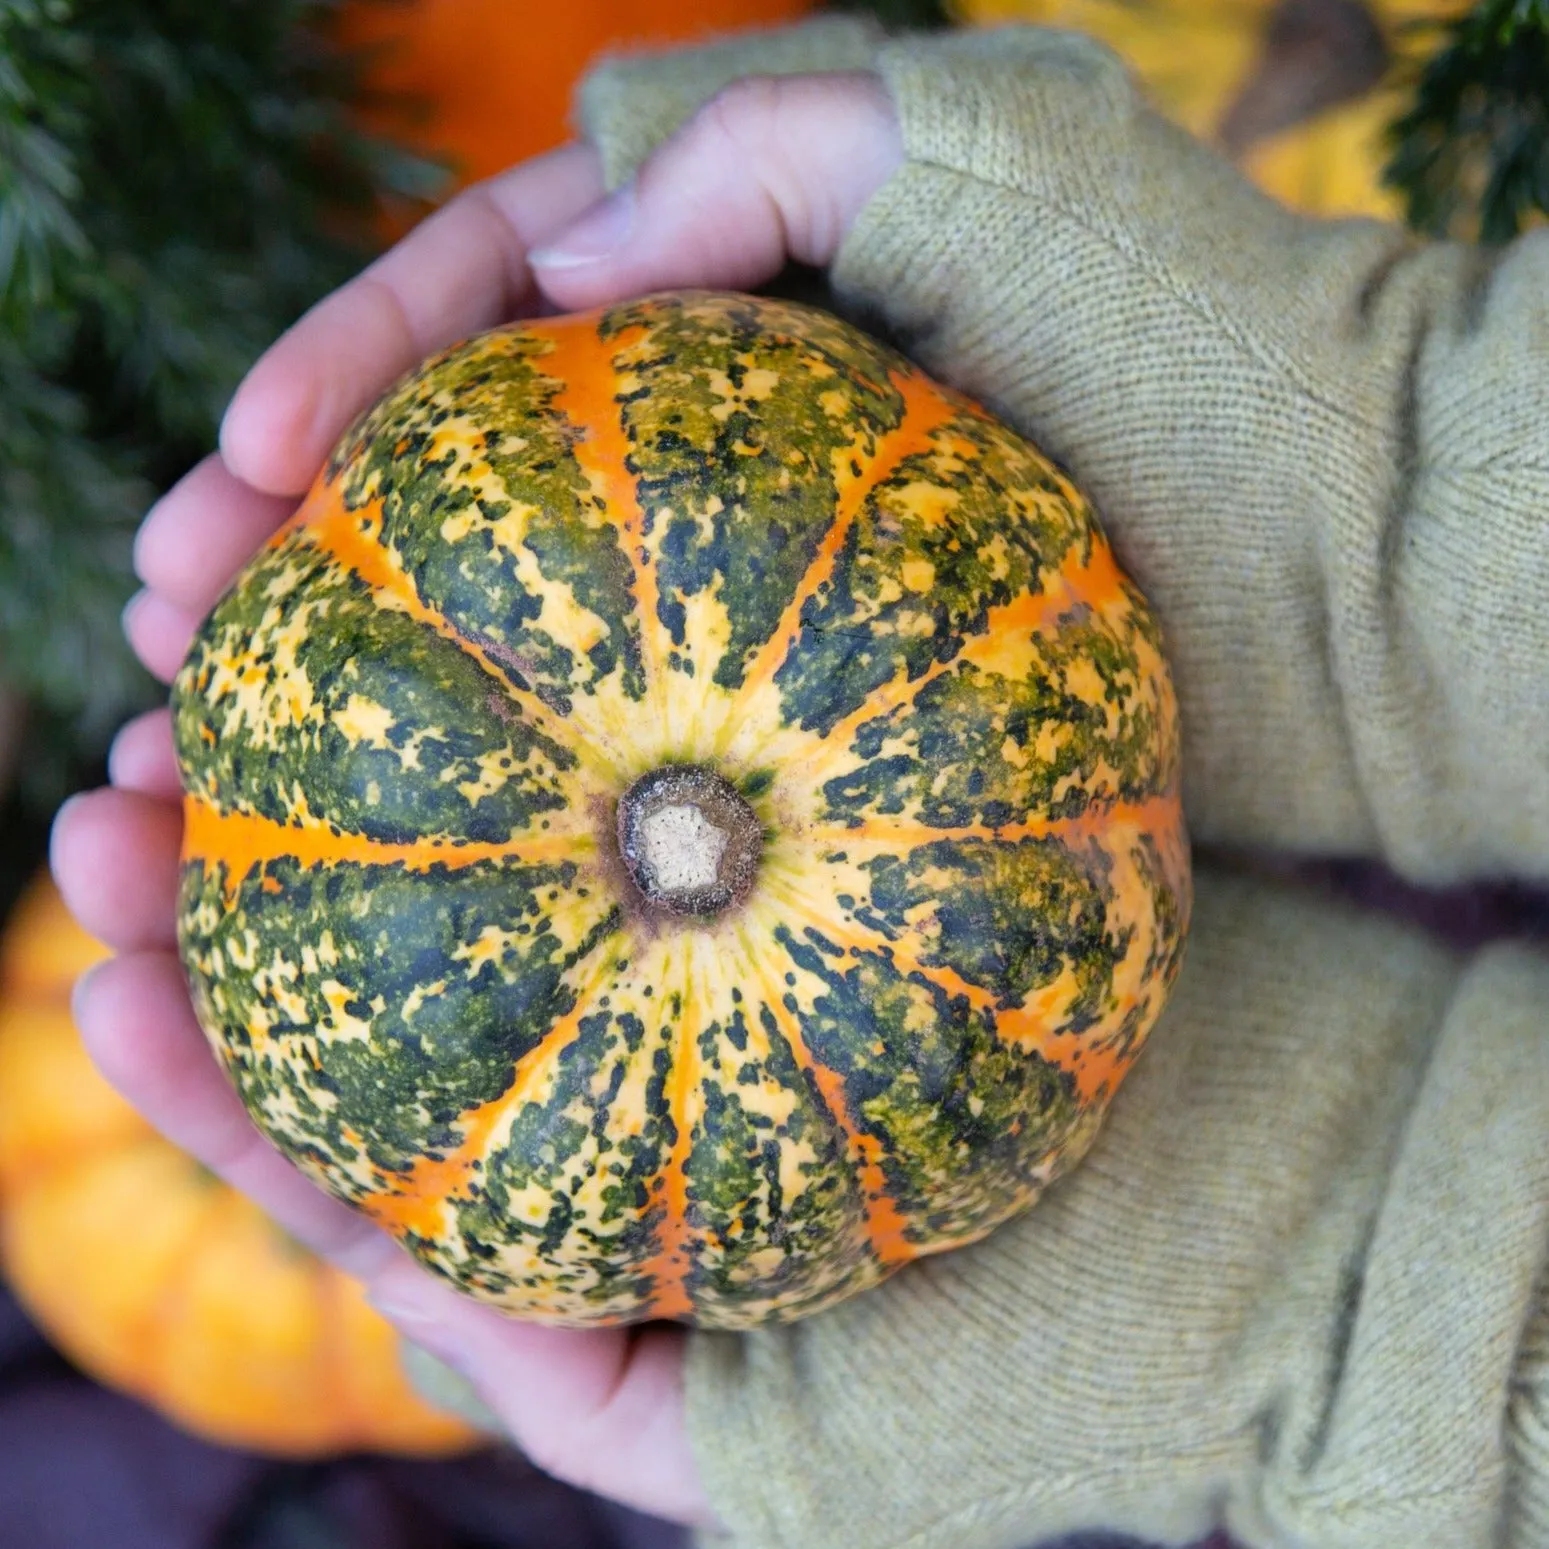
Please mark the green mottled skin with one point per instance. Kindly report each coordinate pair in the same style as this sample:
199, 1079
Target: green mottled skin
375, 931
300, 617
1007, 521
946, 753
499, 396
695, 529
737, 473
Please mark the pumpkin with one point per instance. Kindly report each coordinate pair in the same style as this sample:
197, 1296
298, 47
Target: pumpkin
153, 1276
683, 820
485, 84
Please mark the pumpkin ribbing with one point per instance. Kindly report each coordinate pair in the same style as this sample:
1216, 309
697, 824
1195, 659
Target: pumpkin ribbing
695, 531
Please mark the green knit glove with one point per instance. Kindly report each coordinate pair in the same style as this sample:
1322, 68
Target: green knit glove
1295, 1288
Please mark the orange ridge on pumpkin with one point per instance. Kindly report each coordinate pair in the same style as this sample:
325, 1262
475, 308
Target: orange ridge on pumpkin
1093, 1066
1091, 582
1091, 1056
1092, 823
586, 366
669, 1292
417, 1198
1080, 1054
245, 842
886, 1225
353, 540
856, 939
925, 411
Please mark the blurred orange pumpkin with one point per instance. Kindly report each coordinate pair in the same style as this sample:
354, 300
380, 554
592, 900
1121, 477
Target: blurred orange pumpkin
494, 77
155, 1277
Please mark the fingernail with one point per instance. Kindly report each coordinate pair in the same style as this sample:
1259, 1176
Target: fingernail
57, 826
597, 234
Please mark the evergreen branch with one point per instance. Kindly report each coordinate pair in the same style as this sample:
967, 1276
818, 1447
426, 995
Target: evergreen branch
1471, 154
64, 551
178, 181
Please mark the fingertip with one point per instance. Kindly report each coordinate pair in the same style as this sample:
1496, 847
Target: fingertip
81, 1008
61, 839
159, 632
316, 378
142, 757
266, 434
106, 1002
771, 167
597, 234
202, 531
114, 856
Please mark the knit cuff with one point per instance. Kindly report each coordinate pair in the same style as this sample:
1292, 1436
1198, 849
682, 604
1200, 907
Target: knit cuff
630, 103
1319, 446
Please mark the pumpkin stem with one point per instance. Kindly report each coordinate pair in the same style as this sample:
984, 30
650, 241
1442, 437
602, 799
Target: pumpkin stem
689, 840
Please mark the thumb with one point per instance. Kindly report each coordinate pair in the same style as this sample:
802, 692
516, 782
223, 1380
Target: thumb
773, 167
600, 1408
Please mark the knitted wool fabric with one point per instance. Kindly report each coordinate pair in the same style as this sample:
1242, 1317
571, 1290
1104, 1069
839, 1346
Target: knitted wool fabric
1295, 1288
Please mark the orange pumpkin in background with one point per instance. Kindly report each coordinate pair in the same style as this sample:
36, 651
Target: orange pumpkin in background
153, 1276
516, 102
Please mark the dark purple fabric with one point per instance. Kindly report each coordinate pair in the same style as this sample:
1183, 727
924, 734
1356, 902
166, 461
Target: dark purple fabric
1464, 917
81, 1468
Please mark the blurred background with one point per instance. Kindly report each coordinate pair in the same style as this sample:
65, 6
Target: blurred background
178, 180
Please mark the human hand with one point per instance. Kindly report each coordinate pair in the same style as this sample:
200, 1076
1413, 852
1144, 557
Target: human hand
603, 1409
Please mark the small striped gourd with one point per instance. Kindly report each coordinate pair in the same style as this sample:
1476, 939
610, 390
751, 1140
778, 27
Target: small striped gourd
683, 820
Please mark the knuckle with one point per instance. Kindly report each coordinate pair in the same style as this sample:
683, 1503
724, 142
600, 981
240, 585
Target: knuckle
751, 125
745, 113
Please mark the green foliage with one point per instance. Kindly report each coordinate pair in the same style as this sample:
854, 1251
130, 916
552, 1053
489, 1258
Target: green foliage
178, 180
1471, 155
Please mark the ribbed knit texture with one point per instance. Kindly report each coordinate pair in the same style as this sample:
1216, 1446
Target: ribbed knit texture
1295, 1286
